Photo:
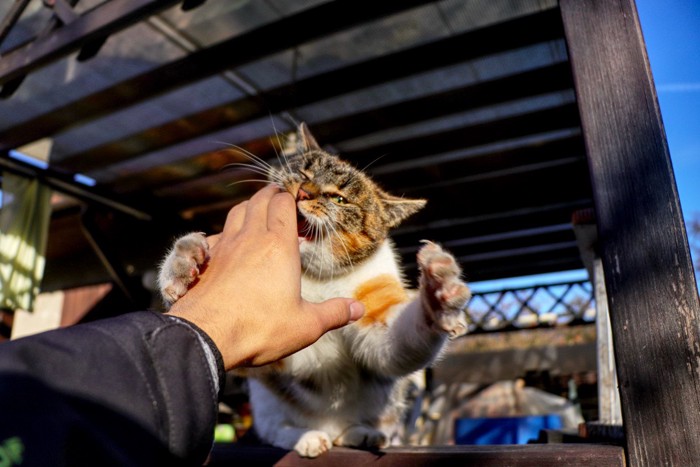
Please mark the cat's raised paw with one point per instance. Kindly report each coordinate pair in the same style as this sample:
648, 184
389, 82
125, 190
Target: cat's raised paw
182, 266
444, 293
313, 443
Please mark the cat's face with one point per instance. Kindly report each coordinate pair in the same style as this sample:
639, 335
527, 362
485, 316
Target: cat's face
343, 216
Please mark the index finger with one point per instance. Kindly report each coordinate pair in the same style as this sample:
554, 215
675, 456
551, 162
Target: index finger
282, 216
256, 211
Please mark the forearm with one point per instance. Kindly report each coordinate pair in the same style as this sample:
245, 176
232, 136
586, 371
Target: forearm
114, 387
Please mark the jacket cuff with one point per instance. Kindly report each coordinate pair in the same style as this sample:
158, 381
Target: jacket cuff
214, 358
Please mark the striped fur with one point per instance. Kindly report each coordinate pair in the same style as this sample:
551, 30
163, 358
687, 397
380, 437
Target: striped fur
343, 389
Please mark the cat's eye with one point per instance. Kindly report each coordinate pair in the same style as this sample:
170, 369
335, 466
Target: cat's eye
337, 199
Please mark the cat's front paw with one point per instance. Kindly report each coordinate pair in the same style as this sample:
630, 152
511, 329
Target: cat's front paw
444, 293
182, 266
360, 436
313, 443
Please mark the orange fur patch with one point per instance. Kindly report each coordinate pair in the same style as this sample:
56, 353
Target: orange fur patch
349, 244
379, 295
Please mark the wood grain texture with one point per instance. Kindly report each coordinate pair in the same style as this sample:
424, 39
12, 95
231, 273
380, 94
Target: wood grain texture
649, 276
531, 455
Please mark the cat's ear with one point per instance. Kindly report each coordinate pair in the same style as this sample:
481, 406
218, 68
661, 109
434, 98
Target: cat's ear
397, 209
305, 140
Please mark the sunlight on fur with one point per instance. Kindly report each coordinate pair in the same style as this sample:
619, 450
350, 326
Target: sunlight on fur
347, 389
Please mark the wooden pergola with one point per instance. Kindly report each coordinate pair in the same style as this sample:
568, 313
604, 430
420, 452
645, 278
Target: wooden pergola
508, 116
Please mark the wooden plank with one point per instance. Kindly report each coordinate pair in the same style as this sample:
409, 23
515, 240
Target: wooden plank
465, 197
538, 121
493, 223
535, 82
98, 23
609, 410
648, 271
296, 29
406, 170
485, 367
542, 455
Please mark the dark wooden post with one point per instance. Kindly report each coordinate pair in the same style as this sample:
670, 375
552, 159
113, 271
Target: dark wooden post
649, 275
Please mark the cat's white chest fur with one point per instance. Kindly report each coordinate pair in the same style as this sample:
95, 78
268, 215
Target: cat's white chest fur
383, 261
345, 388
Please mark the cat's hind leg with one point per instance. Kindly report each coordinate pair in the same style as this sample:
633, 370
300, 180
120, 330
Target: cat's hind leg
182, 266
443, 293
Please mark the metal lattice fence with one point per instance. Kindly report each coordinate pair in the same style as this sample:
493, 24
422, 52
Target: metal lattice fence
528, 307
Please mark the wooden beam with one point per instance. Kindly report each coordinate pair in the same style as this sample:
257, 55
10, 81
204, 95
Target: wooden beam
11, 17
484, 164
66, 184
491, 222
649, 276
545, 185
539, 121
288, 32
530, 455
487, 366
396, 173
97, 23
479, 244
527, 84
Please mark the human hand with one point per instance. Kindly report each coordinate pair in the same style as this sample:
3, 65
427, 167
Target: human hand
248, 299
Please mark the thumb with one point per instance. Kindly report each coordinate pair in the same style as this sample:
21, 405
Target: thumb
336, 312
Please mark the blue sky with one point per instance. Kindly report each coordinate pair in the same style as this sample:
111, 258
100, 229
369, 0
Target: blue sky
671, 31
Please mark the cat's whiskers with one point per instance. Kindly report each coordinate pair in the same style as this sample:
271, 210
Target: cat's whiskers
318, 250
328, 237
250, 180
260, 166
342, 243
252, 157
254, 168
324, 250
277, 153
257, 165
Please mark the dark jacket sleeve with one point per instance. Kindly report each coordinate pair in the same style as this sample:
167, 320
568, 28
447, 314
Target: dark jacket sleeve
132, 390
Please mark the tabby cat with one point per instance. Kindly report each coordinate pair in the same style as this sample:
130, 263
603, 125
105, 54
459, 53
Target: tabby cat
345, 388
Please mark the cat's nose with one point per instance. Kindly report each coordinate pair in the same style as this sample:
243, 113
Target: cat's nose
302, 195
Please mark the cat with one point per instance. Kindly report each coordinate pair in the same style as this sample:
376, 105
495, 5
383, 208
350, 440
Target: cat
346, 387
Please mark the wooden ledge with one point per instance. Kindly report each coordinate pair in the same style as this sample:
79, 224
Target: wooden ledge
530, 455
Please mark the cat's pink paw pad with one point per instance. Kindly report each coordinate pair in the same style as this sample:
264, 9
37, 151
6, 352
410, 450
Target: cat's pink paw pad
182, 266
445, 294
313, 443
435, 262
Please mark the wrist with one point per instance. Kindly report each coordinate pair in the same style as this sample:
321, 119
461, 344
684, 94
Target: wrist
222, 341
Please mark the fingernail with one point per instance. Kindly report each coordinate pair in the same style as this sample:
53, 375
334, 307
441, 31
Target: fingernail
357, 310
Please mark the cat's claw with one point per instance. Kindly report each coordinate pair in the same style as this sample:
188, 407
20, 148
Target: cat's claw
182, 266
445, 295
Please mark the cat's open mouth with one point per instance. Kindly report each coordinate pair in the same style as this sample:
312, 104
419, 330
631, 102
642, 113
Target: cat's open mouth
304, 230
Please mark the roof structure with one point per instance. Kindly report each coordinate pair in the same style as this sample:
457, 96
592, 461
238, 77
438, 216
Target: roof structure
467, 104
